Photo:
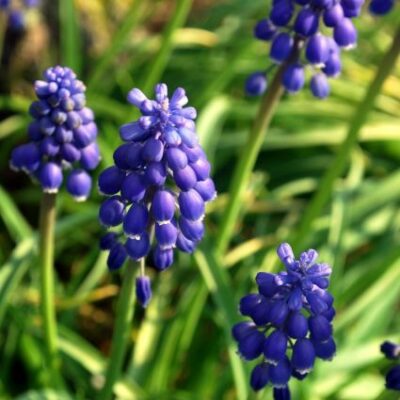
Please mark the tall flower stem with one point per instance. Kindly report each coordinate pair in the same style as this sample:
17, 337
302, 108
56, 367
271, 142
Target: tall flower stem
46, 256
124, 312
248, 159
324, 191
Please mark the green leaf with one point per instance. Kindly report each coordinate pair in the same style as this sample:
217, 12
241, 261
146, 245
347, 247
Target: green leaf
45, 394
13, 219
217, 281
70, 36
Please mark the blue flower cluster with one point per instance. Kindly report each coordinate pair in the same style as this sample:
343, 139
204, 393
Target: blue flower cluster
392, 352
16, 16
381, 7
291, 322
159, 184
294, 28
62, 135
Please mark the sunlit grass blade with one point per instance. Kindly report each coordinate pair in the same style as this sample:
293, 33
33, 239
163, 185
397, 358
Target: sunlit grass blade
117, 44
17, 225
216, 280
325, 187
70, 37
160, 61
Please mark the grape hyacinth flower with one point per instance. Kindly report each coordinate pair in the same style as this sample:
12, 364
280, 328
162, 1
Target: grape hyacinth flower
62, 135
381, 7
290, 322
158, 187
392, 352
16, 12
295, 29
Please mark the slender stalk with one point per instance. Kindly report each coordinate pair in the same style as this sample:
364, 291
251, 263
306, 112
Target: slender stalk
3, 27
46, 256
248, 159
160, 61
337, 166
125, 307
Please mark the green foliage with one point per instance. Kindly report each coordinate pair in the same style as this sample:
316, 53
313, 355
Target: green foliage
181, 346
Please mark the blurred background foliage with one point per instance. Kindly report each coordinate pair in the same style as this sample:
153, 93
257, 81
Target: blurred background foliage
180, 346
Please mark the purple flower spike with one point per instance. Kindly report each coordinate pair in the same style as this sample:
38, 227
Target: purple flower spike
62, 135
300, 33
160, 181
290, 319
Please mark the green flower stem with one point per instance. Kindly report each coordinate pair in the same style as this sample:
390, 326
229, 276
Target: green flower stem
46, 257
125, 308
336, 168
159, 63
248, 159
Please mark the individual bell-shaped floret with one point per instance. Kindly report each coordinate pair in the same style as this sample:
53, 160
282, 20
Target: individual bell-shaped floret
275, 347
306, 23
79, 184
110, 180
25, 157
143, 290
163, 206
381, 7
259, 377
163, 257
390, 350
320, 328
138, 247
111, 212
117, 257
266, 284
293, 78
326, 349
345, 34
250, 346
206, 189
136, 220
50, 177
279, 374
166, 235
297, 325
281, 47
334, 15
256, 84
303, 356
317, 50
319, 86
264, 30
282, 393
108, 240
191, 205
281, 13
393, 378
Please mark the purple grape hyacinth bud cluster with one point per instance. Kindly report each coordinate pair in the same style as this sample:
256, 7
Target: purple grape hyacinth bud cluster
16, 15
291, 322
381, 7
392, 352
62, 135
294, 28
160, 183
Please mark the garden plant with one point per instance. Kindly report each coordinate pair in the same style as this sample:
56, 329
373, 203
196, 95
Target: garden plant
199, 199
